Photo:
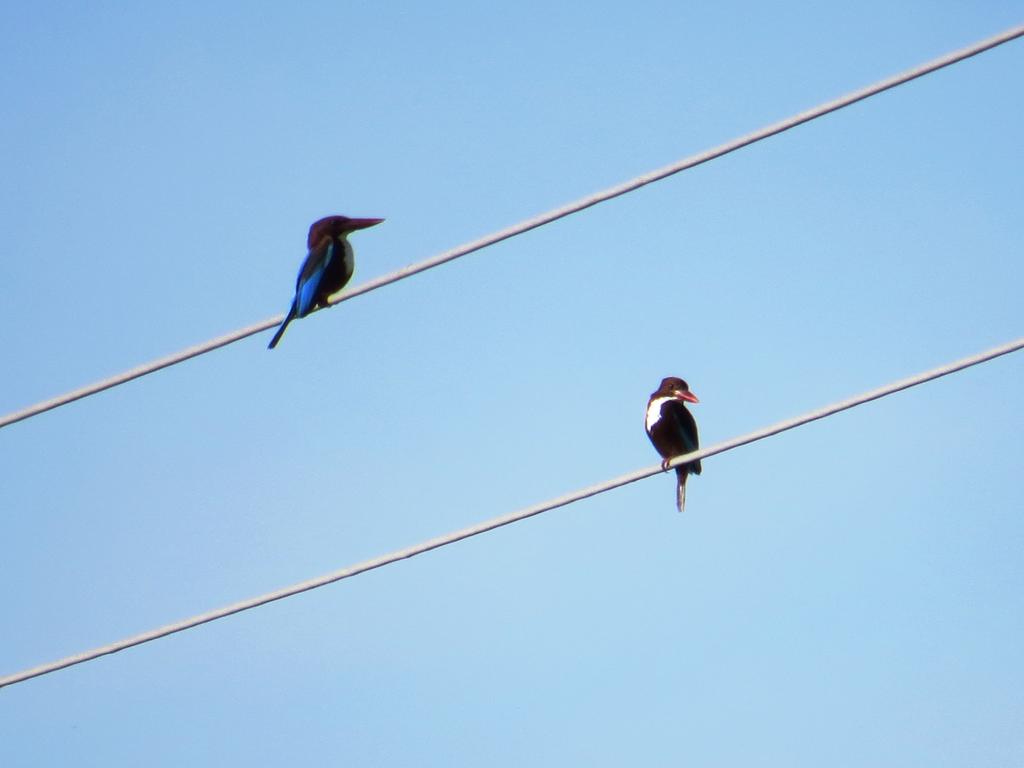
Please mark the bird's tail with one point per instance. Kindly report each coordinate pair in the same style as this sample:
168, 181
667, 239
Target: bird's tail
681, 475
280, 331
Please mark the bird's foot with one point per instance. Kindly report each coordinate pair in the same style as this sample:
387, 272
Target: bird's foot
664, 464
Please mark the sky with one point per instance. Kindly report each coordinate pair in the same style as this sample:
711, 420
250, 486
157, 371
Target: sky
849, 593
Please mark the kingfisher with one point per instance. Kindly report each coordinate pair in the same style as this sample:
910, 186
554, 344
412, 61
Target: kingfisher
328, 266
673, 430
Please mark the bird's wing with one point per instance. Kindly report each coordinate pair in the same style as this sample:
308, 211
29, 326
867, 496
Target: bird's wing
307, 287
687, 430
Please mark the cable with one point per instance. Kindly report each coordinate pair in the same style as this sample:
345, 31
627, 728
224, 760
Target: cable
497, 522
528, 224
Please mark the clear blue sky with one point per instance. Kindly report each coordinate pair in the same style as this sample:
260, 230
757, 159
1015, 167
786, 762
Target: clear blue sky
848, 594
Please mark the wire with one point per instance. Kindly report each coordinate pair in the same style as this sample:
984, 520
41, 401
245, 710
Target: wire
497, 522
528, 224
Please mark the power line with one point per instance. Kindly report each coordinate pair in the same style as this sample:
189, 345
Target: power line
528, 224
497, 522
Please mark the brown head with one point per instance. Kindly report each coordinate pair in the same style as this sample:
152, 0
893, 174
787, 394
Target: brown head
336, 226
673, 386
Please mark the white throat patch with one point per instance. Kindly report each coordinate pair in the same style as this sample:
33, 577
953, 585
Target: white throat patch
654, 411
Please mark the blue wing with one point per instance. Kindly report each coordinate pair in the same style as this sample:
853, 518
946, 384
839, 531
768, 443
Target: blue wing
687, 427
310, 277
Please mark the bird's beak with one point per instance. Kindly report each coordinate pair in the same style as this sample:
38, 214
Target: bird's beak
354, 224
686, 395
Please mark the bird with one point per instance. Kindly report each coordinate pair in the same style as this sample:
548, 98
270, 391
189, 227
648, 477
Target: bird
673, 430
328, 266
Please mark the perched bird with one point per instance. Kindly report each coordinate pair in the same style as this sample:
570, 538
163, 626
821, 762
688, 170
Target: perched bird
672, 429
328, 266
